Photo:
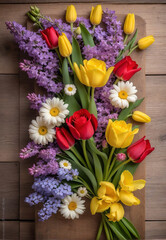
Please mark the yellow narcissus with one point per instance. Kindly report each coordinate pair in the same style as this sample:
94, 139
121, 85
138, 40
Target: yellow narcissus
116, 212
93, 73
107, 192
98, 206
128, 184
119, 134
64, 44
71, 14
96, 15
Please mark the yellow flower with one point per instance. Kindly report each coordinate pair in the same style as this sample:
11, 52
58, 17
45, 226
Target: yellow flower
65, 47
128, 184
116, 212
139, 116
107, 192
98, 205
129, 24
119, 134
93, 73
145, 42
71, 14
96, 15
128, 198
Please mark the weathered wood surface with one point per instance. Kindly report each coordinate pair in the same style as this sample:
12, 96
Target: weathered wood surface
84, 1
155, 106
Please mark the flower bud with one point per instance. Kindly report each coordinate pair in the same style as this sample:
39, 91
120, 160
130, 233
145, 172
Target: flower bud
50, 35
78, 30
129, 24
34, 13
139, 116
64, 139
145, 42
71, 14
104, 144
64, 44
121, 156
96, 15
32, 18
37, 10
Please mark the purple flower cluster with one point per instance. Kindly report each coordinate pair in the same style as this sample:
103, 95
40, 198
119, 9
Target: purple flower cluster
30, 150
36, 100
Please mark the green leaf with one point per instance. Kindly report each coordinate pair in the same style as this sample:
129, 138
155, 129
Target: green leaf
86, 36
133, 39
76, 52
125, 229
95, 150
117, 230
98, 168
81, 92
126, 111
130, 227
65, 73
73, 104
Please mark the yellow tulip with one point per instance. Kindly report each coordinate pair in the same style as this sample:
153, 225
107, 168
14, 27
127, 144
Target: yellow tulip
96, 15
71, 14
119, 134
128, 198
93, 73
139, 116
116, 212
145, 42
128, 184
129, 24
64, 44
98, 206
107, 192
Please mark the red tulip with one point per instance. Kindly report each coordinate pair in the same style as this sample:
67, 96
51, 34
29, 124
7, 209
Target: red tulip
50, 35
139, 150
64, 139
82, 124
125, 68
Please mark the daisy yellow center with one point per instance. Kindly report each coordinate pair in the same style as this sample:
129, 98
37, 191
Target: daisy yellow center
123, 94
70, 89
42, 130
82, 191
65, 164
72, 206
54, 111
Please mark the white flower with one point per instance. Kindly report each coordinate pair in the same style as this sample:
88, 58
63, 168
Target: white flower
72, 206
40, 132
54, 111
65, 164
70, 89
122, 94
82, 192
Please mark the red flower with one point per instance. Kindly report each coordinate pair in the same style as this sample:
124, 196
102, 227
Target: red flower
139, 150
125, 68
50, 35
82, 124
64, 139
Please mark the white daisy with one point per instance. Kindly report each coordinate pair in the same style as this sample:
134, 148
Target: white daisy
65, 164
70, 89
122, 94
72, 206
40, 132
54, 111
82, 192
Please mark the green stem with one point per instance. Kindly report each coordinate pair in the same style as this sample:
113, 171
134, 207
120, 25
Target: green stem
106, 229
71, 25
57, 51
86, 185
132, 50
109, 161
89, 88
71, 65
117, 168
126, 37
112, 165
116, 81
92, 92
100, 230
93, 29
85, 155
77, 154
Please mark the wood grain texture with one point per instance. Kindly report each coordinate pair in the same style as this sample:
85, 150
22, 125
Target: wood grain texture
156, 230
27, 231
155, 26
9, 230
9, 115
86, 1
9, 191
47, 230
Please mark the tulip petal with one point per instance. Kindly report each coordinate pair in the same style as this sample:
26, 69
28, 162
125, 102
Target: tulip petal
96, 77
128, 198
129, 138
84, 79
73, 130
77, 71
94, 205
107, 75
138, 184
94, 122
116, 212
103, 206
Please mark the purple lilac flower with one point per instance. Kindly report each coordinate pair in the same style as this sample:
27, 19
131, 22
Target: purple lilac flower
49, 207
36, 100
49, 153
44, 169
66, 174
34, 198
30, 150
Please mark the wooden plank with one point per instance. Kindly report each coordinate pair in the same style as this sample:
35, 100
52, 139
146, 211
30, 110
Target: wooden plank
48, 229
156, 230
85, 1
155, 25
9, 230
9, 191
27, 231
155, 163
9, 112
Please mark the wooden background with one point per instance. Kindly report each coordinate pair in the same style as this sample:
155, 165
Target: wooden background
16, 217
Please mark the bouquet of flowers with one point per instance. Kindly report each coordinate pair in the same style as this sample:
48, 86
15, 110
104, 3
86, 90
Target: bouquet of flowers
81, 136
